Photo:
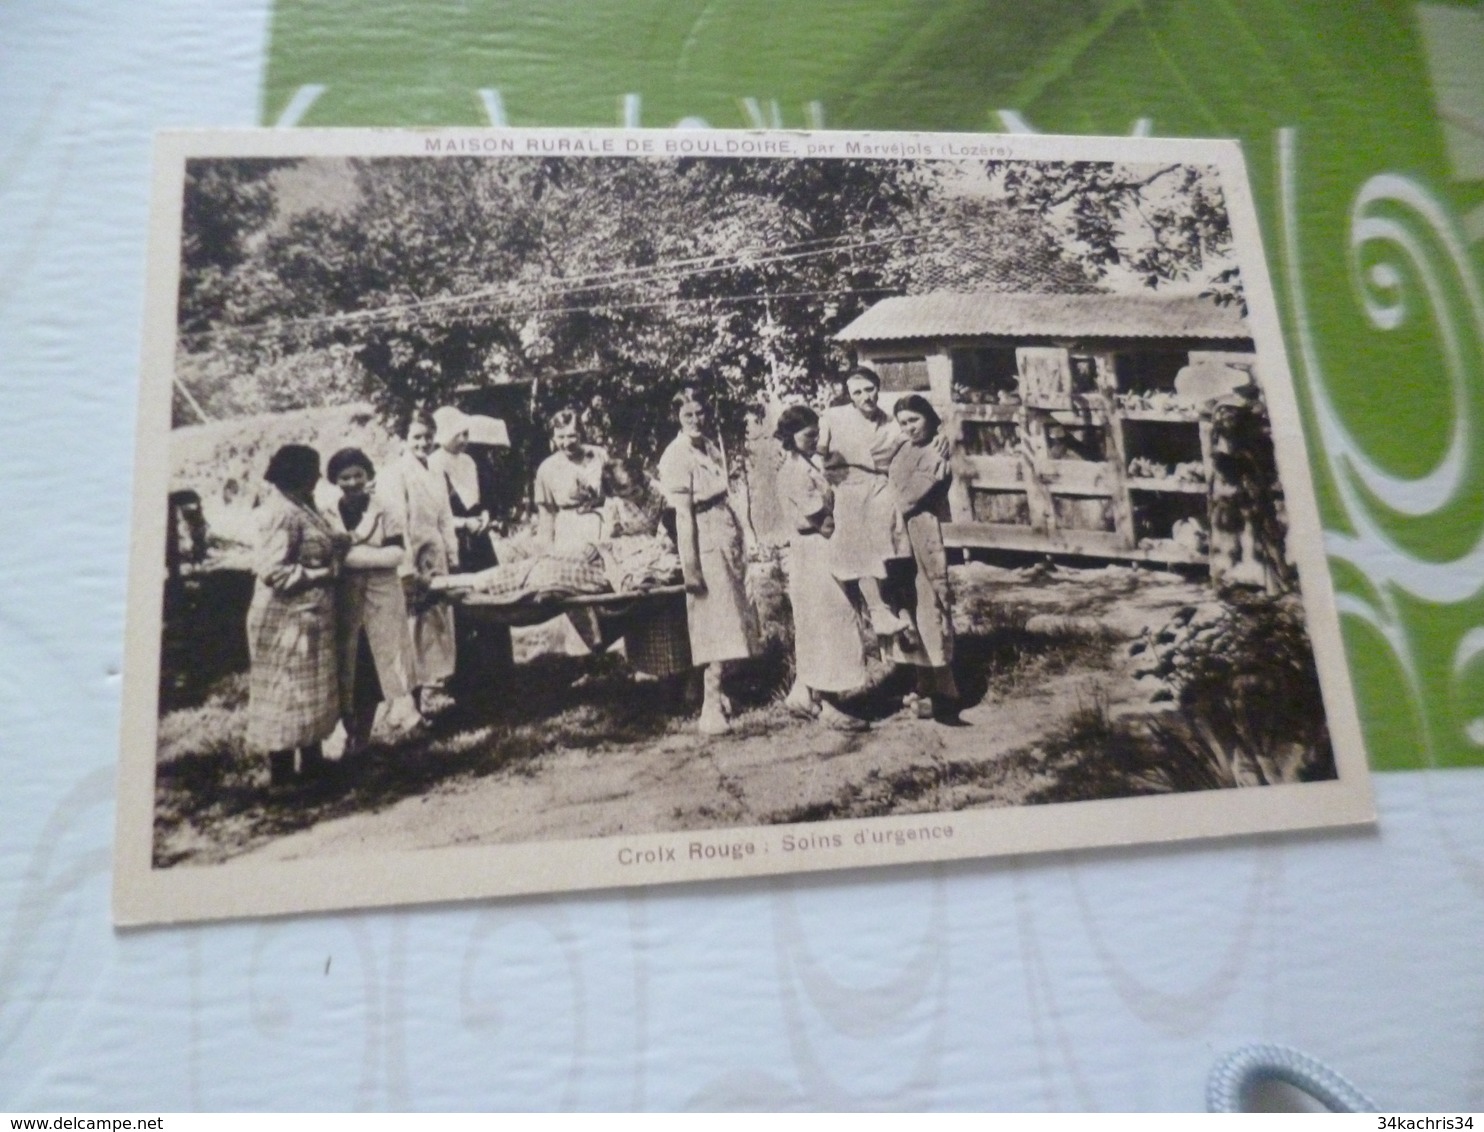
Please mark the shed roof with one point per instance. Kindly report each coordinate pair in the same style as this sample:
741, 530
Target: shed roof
1018, 314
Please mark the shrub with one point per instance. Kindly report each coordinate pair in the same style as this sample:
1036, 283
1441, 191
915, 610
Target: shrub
1250, 713
1250, 698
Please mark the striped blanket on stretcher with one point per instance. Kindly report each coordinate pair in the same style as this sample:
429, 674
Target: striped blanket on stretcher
622, 565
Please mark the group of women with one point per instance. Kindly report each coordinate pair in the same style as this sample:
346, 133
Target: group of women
340, 619
867, 493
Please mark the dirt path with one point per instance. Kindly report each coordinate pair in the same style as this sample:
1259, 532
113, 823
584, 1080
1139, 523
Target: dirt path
774, 769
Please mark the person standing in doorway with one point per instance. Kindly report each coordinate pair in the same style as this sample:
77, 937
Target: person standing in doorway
451, 460
482, 649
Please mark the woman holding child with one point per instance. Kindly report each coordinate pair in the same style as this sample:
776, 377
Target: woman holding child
893, 474
857, 442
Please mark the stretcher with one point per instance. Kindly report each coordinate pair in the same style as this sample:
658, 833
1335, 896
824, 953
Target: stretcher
651, 622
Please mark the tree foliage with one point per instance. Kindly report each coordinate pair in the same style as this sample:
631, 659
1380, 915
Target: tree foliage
225, 203
629, 278
1248, 513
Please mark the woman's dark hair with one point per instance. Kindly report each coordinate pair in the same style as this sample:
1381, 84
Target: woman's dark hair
793, 420
293, 468
868, 374
690, 395
917, 403
420, 417
349, 458
620, 475
564, 418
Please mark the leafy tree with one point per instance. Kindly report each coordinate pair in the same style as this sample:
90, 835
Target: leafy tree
618, 278
1162, 224
629, 277
225, 203
1248, 514
987, 244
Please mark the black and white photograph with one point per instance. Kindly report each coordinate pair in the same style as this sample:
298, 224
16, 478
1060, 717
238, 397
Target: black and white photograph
525, 511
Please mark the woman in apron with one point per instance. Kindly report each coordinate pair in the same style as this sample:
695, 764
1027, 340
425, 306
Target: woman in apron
483, 649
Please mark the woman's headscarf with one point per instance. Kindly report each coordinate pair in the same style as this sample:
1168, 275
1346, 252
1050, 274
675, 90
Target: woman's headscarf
448, 422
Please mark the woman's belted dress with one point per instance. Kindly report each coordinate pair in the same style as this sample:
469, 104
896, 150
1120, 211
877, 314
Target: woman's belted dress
721, 621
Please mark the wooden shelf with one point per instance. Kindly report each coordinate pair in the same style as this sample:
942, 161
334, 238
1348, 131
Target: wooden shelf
1168, 484
1077, 492
1167, 550
1089, 416
1086, 544
969, 411
1162, 416
1084, 489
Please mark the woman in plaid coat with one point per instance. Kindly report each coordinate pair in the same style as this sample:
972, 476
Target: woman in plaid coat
293, 698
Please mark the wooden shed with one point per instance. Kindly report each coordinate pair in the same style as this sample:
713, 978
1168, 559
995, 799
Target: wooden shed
1081, 423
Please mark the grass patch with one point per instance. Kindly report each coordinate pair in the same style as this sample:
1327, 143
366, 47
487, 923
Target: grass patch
1000, 656
211, 800
1249, 713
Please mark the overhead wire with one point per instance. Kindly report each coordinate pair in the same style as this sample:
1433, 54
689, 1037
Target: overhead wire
659, 274
705, 299
656, 274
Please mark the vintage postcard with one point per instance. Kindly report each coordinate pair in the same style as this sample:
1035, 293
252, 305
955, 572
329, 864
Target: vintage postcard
534, 510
